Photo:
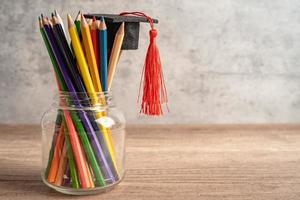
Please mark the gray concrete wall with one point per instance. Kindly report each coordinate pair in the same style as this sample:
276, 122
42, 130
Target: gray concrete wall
225, 61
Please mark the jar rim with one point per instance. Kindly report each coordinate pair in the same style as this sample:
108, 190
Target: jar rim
84, 100
67, 93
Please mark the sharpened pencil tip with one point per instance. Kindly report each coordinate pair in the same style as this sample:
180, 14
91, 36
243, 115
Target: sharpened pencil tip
83, 20
78, 16
52, 15
121, 29
55, 20
40, 22
102, 25
45, 21
70, 20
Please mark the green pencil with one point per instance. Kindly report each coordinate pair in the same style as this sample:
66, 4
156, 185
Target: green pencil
77, 23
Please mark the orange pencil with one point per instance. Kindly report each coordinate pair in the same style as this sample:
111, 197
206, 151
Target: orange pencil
56, 155
62, 166
92, 185
91, 179
78, 152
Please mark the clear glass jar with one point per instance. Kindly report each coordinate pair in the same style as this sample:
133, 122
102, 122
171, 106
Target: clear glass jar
83, 144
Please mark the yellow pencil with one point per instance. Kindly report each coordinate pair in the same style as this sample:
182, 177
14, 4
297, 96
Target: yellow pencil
82, 64
115, 53
90, 55
83, 67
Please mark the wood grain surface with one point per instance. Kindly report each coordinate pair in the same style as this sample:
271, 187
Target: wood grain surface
173, 162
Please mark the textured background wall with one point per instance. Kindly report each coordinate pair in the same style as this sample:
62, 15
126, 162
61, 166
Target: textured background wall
225, 61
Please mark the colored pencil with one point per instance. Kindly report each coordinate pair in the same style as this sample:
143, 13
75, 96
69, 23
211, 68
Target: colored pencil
60, 21
67, 55
58, 123
62, 166
103, 53
73, 170
89, 169
56, 156
77, 24
115, 54
52, 57
82, 64
95, 41
90, 55
89, 22
58, 56
67, 177
79, 159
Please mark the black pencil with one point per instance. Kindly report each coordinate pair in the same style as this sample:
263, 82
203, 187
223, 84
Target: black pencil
68, 55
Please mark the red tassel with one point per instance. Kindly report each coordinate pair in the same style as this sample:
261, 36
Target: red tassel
152, 79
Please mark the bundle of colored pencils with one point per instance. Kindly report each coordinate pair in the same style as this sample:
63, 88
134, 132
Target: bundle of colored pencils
82, 153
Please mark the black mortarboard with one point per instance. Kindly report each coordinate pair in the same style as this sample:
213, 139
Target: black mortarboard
132, 28
152, 81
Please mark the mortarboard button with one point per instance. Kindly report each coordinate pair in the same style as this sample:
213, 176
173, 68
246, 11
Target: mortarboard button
132, 28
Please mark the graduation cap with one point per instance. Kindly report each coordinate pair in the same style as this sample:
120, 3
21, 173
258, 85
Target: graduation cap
132, 28
152, 81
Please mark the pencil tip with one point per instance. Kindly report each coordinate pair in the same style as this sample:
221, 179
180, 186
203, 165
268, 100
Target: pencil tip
40, 22
78, 16
70, 20
83, 21
52, 15
44, 20
121, 29
102, 25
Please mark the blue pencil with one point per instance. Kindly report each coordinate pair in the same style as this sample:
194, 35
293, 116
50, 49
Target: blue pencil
103, 53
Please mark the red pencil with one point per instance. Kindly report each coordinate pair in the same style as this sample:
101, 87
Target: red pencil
78, 152
95, 40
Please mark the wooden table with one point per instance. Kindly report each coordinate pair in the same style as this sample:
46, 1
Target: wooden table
173, 162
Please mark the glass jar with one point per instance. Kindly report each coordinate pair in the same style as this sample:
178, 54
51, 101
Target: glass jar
83, 143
